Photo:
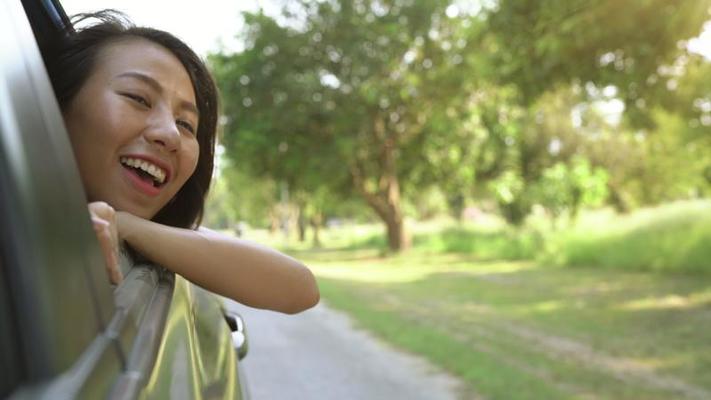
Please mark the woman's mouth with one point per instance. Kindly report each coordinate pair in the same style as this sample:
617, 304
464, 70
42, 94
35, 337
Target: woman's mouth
145, 170
145, 175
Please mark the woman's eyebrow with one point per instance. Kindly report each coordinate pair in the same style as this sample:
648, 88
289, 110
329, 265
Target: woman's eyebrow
184, 104
144, 78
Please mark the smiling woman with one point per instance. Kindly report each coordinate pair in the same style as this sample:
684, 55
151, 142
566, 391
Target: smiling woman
141, 109
132, 127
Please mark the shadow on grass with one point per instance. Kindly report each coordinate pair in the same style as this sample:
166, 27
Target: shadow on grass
659, 321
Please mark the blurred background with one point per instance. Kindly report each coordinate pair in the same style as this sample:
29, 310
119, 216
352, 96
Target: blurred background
516, 189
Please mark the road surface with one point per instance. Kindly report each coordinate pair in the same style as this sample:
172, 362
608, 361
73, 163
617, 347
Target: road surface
318, 355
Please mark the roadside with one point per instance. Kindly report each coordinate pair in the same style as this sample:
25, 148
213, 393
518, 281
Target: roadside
517, 330
319, 355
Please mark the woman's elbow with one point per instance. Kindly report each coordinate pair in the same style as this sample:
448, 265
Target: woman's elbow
309, 294
314, 295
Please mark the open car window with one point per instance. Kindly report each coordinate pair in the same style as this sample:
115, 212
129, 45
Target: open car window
57, 300
65, 331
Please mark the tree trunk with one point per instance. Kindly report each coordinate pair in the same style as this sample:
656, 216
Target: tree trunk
386, 203
398, 238
391, 215
316, 222
515, 212
382, 192
619, 201
301, 223
273, 223
455, 204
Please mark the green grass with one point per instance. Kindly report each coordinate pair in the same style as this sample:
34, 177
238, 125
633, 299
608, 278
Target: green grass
516, 330
415, 335
503, 243
615, 307
673, 237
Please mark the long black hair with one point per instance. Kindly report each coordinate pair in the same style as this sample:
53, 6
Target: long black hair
70, 65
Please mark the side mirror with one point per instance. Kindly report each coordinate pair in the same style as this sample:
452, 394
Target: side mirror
239, 334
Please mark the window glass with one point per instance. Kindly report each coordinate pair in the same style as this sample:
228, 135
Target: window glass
9, 359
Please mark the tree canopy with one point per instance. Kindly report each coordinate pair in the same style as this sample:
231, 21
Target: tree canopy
384, 99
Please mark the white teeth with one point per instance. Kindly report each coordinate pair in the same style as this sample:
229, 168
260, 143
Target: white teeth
157, 172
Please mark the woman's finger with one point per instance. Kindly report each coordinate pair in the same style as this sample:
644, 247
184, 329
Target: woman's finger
110, 255
103, 221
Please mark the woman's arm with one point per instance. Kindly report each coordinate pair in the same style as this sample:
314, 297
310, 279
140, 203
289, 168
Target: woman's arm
244, 271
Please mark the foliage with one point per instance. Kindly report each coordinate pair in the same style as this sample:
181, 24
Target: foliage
677, 160
671, 238
567, 188
390, 102
648, 168
549, 42
219, 210
509, 190
342, 101
496, 244
691, 101
427, 203
236, 196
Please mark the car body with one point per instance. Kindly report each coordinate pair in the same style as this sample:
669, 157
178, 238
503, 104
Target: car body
65, 331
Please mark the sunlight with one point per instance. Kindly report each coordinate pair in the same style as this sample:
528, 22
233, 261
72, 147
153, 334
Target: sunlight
375, 272
372, 274
546, 306
668, 302
702, 43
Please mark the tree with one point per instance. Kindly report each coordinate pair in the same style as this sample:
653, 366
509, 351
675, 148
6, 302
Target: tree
568, 187
340, 96
237, 196
382, 99
543, 47
545, 43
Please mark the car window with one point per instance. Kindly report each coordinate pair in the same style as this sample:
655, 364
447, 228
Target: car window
60, 295
9, 357
66, 331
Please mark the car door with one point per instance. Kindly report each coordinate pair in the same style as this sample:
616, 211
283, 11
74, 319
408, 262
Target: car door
66, 332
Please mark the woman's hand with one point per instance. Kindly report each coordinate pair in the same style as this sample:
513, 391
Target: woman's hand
103, 217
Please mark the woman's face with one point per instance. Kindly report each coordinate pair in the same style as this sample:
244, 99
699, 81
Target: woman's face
133, 127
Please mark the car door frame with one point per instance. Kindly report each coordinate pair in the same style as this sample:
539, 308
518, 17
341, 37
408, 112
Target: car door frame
72, 334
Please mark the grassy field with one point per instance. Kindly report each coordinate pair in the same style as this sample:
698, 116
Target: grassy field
508, 318
515, 330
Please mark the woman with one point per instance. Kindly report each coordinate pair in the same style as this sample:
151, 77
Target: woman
141, 111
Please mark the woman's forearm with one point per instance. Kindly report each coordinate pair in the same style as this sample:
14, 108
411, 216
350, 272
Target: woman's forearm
244, 271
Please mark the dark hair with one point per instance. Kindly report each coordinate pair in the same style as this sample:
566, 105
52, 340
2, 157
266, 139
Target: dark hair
71, 64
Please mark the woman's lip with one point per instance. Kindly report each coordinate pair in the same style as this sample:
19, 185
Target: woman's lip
139, 184
158, 162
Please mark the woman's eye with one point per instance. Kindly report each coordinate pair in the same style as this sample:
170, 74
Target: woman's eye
187, 125
138, 99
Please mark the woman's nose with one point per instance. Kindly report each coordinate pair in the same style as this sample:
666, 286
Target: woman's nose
163, 132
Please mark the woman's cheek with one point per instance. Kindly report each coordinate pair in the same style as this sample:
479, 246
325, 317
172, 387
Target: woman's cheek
191, 158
